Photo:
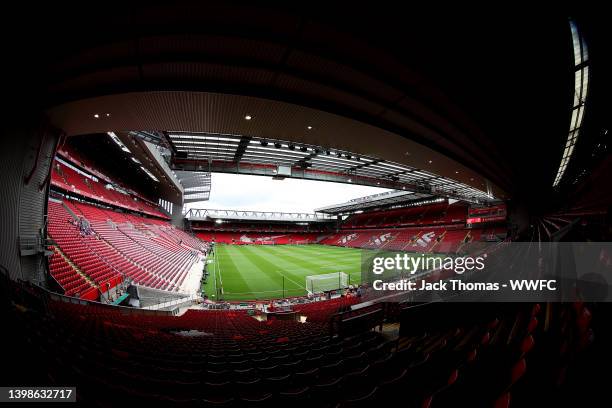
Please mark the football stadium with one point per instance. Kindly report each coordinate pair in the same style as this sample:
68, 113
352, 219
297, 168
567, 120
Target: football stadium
225, 204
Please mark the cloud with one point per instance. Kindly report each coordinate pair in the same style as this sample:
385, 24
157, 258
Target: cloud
260, 193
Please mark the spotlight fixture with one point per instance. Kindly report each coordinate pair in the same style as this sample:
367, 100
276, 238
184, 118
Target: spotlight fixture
248, 117
309, 128
263, 142
278, 145
348, 156
303, 149
96, 116
338, 154
456, 171
291, 147
430, 161
327, 152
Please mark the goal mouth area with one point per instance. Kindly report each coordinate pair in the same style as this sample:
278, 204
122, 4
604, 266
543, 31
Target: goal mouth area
326, 282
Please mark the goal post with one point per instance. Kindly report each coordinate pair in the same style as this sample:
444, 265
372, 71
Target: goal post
326, 282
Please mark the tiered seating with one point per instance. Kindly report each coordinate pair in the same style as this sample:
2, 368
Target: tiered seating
107, 252
263, 238
67, 179
180, 237
436, 227
69, 279
141, 203
424, 239
451, 241
70, 155
497, 364
440, 213
361, 239
241, 360
380, 240
351, 239
76, 246
151, 252
322, 311
446, 355
230, 226
454, 214
402, 239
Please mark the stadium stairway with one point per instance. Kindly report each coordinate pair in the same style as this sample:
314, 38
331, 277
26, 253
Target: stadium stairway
74, 267
72, 279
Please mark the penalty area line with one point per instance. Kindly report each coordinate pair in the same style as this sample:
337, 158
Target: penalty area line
291, 280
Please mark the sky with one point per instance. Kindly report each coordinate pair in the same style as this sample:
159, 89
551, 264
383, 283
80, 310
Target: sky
261, 193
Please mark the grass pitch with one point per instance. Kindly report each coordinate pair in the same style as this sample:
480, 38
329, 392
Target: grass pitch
250, 272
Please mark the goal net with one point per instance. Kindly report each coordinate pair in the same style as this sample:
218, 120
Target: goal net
326, 282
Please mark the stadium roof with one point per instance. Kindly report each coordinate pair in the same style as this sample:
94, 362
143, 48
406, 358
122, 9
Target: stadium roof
202, 214
196, 185
173, 68
388, 198
257, 155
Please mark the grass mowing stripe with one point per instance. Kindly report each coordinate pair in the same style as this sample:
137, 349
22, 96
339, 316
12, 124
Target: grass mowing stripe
218, 273
351, 266
239, 288
327, 253
296, 262
215, 273
269, 266
233, 277
211, 280
323, 249
352, 269
262, 277
257, 271
346, 259
309, 258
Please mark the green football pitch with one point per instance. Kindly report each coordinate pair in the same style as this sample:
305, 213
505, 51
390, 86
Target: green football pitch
251, 272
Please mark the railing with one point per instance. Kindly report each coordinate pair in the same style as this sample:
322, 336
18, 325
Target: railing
44, 295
